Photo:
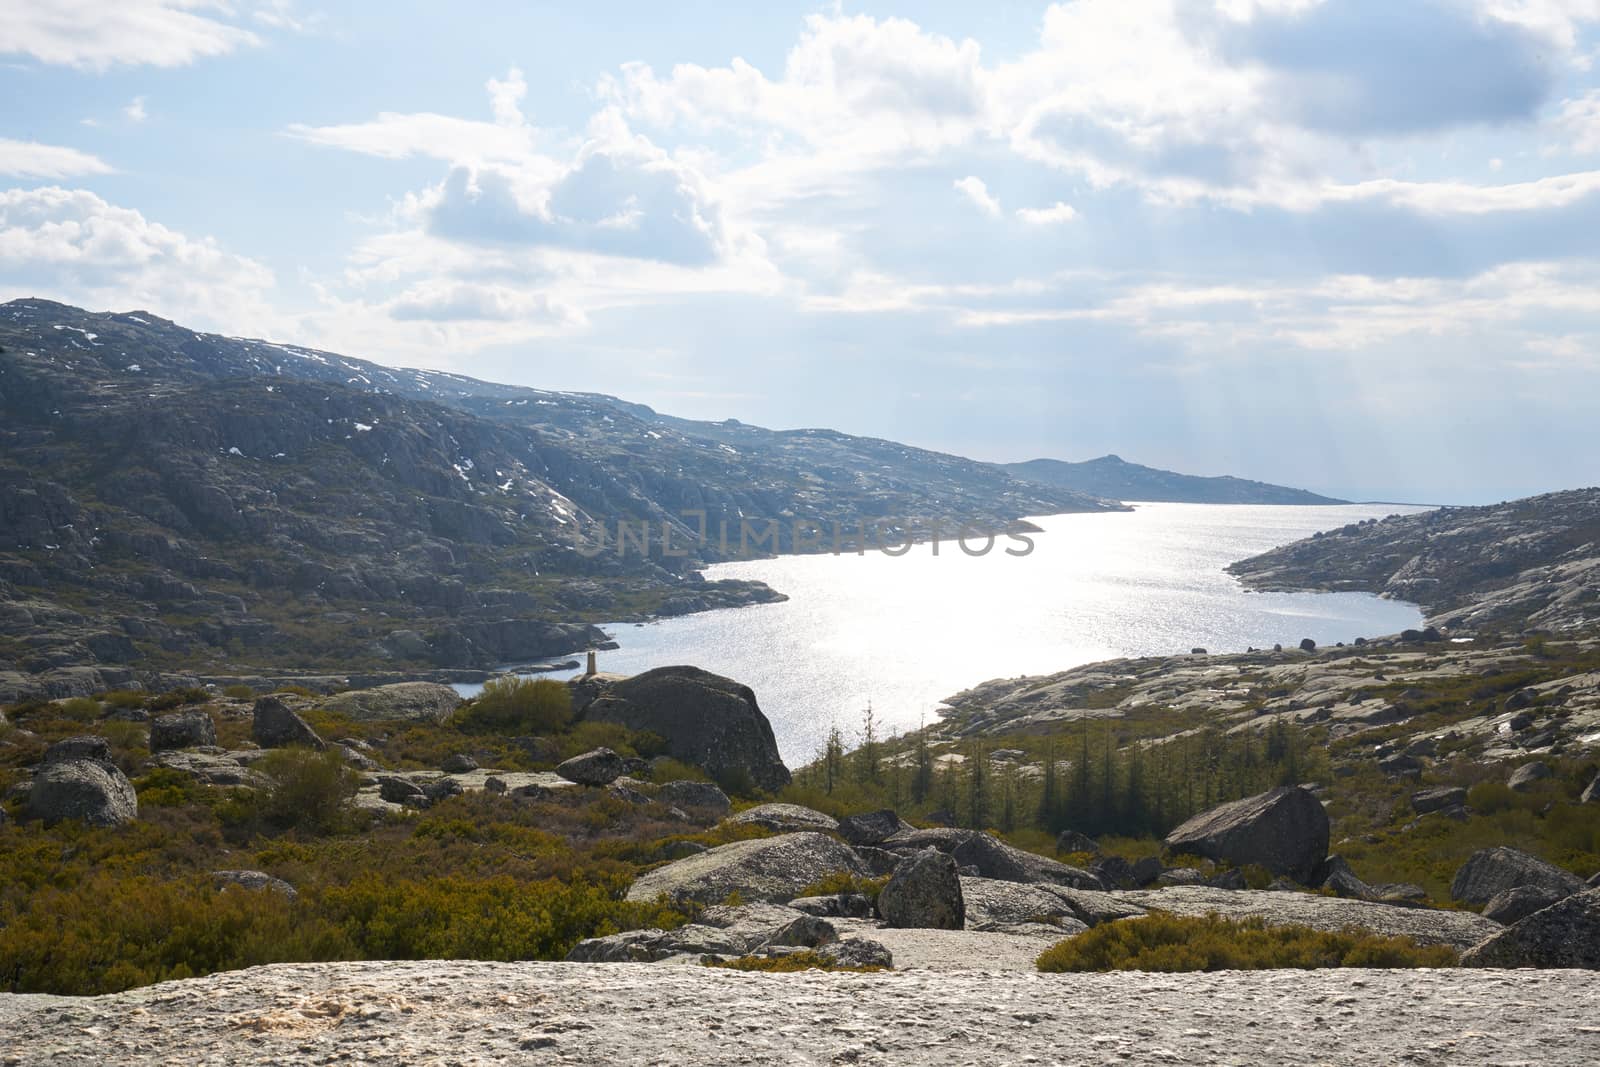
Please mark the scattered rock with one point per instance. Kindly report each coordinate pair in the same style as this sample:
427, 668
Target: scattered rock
97, 793
770, 869
1565, 934
1181, 876
1284, 830
858, 952
994, 905
1335, 875
1069, 841
699, 795
90, 747
1430, 800
1591, 793
1491, 871
786, 818
494, 785
842, 905
396, 790
401, 702
1307, 645
600, 766
707, 720
358, 759
1114, 871
275, 725
1524, 777
924, 892
871, 828
184, 729
460, 763
1517, 904
254, 880
1146, 870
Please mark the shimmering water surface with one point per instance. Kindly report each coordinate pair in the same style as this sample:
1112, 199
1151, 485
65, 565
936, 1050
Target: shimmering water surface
906, 632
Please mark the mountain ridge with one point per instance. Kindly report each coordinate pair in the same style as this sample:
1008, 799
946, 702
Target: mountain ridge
1111, 475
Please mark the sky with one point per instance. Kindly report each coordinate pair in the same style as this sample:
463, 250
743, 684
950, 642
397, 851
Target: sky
1342, 244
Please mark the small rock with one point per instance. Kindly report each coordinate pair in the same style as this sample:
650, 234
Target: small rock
358, 759
1591, 793
275, 725
254, 880
1429, 800
440, 788
787, 818
687, 794
1514, 905
494, 785
858, 952
600, 766
1069, 841
97, 793
1145, 871
1115, 872
1181, 876
83, 747
460, 763
924, 893
396, 790
185, 729
1524, 777
1308, 645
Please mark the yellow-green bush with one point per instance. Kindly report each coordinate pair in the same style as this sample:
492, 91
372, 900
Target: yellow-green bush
239, 692
1164, 942
518, 706
845, 882
306, 789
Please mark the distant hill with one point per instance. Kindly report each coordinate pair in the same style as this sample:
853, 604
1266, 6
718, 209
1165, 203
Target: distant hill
170, 498
1115, 477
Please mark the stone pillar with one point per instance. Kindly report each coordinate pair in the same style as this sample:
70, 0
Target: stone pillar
592, 669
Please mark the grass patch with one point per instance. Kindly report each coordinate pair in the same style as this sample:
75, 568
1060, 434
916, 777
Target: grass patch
1171, 943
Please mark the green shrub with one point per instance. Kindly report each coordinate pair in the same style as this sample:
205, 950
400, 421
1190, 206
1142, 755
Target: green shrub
164, 787
125, 698
239, 692
177, 698
845, 882
1164, 942
667, 769
789, 964
80, 709
518, 706
1487, 798
307, 789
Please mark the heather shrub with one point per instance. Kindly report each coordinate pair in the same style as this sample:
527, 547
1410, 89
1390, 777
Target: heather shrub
845, 882
306, 789
1171, 943
239, 692
518, 706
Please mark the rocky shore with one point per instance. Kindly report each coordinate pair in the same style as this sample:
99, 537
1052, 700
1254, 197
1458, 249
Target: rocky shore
454, 1012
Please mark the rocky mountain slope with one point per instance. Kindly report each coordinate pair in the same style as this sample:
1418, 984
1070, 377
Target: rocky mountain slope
456, 1011
175, 498
1532, 563
1115, 477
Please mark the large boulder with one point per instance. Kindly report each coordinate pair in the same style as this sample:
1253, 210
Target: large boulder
184, 729
401, 702
97, 793
996, 905
274, 724
91, 747
775, 869
1284, 830
598, 767
707, 720
1566, 934
786, 818
991, 857
924, 893
1526, 776
1491, 871
1426, 801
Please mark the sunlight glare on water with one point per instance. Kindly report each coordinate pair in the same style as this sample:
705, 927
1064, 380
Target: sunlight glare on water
906, 632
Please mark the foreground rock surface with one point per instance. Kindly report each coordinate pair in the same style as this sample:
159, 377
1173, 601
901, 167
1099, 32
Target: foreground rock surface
435, 1012
1566, 934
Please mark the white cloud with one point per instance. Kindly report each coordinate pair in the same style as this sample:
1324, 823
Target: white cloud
975, 190
29, 159
94, 35
1580, 121
1047, 216
135, 111
71, 245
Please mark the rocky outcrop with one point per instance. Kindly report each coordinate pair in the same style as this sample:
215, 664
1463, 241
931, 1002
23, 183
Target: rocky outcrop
786, 818
924, 891
993, 905
274, 724
707, 720
184, 729
723, 930
1492, 871
990, 857
1460, 929
598, 767
401, 702
1565, 934
1284, 830
775, 869
96, 793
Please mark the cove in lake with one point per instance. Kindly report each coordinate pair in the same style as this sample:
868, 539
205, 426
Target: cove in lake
905, 632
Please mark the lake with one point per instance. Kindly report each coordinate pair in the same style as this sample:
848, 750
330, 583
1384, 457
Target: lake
905, 632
